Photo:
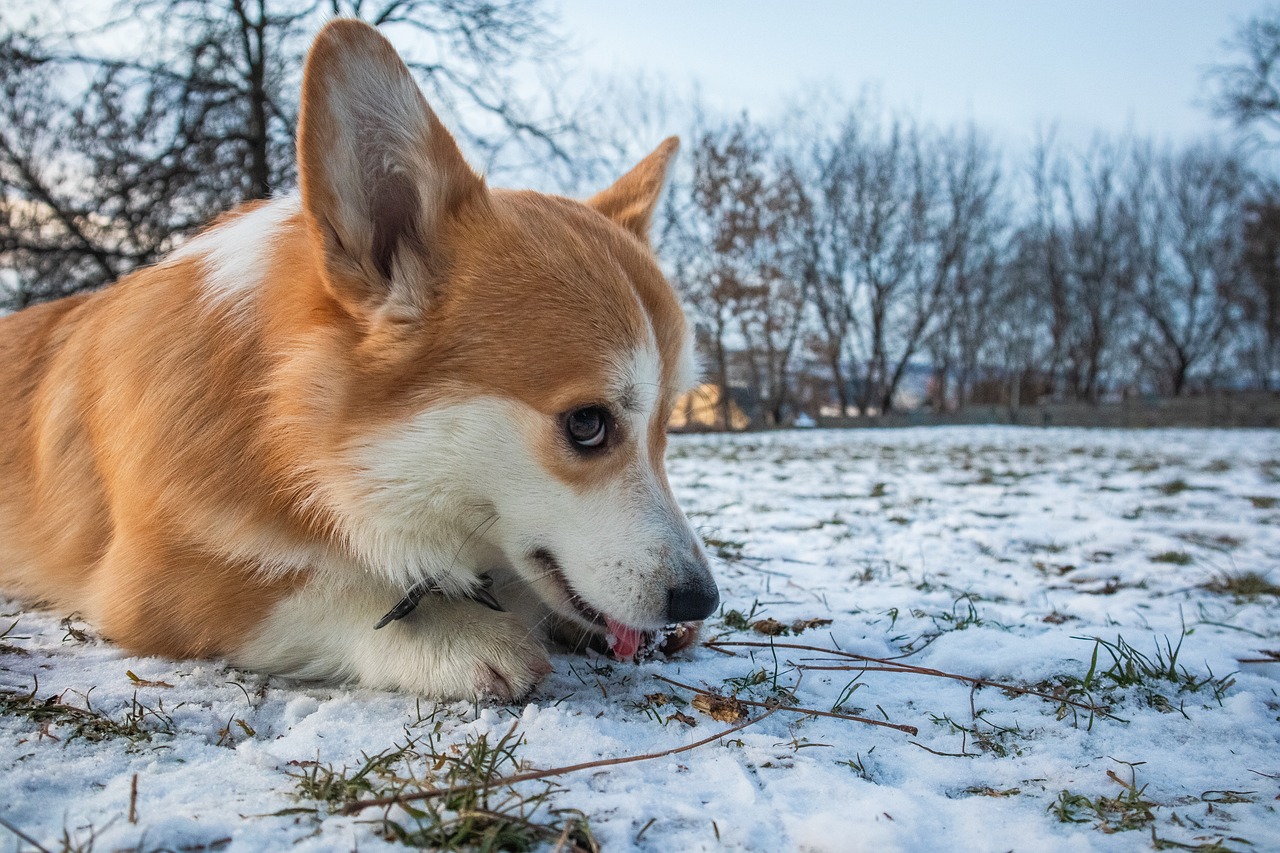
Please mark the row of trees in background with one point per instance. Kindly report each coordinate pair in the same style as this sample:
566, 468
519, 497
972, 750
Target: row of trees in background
830, 262
825, 266
828, 259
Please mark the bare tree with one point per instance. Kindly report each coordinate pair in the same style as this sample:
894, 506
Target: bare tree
1247, 88
825, 254
772, 307
734, 255
97, 182
910, 207
1020, 342
876, 195
717, 229
1256, 292
1191, 231
893, 223
968, 231
621, 118
1084, 237
118, 135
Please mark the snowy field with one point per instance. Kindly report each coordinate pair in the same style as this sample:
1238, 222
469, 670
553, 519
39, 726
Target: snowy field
1128, 577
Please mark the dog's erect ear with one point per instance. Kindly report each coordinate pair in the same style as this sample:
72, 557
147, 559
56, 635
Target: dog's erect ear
379, 172
630, 202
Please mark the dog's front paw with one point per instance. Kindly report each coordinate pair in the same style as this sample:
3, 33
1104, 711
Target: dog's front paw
473, 653
441, 650
508, 674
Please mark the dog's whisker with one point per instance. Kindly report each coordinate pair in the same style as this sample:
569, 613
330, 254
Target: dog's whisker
486, 524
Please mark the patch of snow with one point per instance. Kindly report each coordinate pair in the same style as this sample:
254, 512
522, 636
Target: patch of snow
987, 552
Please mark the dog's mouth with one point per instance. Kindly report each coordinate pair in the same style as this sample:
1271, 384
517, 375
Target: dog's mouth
624, 641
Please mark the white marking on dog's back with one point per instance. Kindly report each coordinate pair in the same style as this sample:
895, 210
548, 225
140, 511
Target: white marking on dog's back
234, 254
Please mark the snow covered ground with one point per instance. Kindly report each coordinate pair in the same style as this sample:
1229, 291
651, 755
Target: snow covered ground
991, 553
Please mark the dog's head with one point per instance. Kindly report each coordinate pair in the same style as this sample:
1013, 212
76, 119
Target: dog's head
513, 356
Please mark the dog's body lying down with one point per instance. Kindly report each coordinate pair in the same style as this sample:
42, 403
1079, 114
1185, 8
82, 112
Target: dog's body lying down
397, 377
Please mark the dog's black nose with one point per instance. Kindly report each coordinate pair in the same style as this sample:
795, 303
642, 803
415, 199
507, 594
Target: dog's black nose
692, 603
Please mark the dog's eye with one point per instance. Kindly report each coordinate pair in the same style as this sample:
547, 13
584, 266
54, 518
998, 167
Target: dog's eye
588, 427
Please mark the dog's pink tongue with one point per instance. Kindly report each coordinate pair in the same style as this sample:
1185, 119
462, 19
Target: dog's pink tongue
624, 641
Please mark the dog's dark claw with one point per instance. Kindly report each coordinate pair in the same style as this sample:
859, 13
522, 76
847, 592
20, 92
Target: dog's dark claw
483, 595
406, 605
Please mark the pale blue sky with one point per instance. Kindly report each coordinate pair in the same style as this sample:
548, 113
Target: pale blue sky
1006, 64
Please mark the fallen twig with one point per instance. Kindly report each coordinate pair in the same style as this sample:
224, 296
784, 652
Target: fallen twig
890, 665
1268, 656
796, 709
533, 775
943, 754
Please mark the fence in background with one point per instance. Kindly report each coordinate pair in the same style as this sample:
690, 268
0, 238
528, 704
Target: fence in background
1220, 409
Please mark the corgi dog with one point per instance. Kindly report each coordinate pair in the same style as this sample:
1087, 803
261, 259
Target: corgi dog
396, 397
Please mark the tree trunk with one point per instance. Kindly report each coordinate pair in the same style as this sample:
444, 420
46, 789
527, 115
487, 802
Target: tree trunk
837, 376
253, 46
722, 379
1179, 377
